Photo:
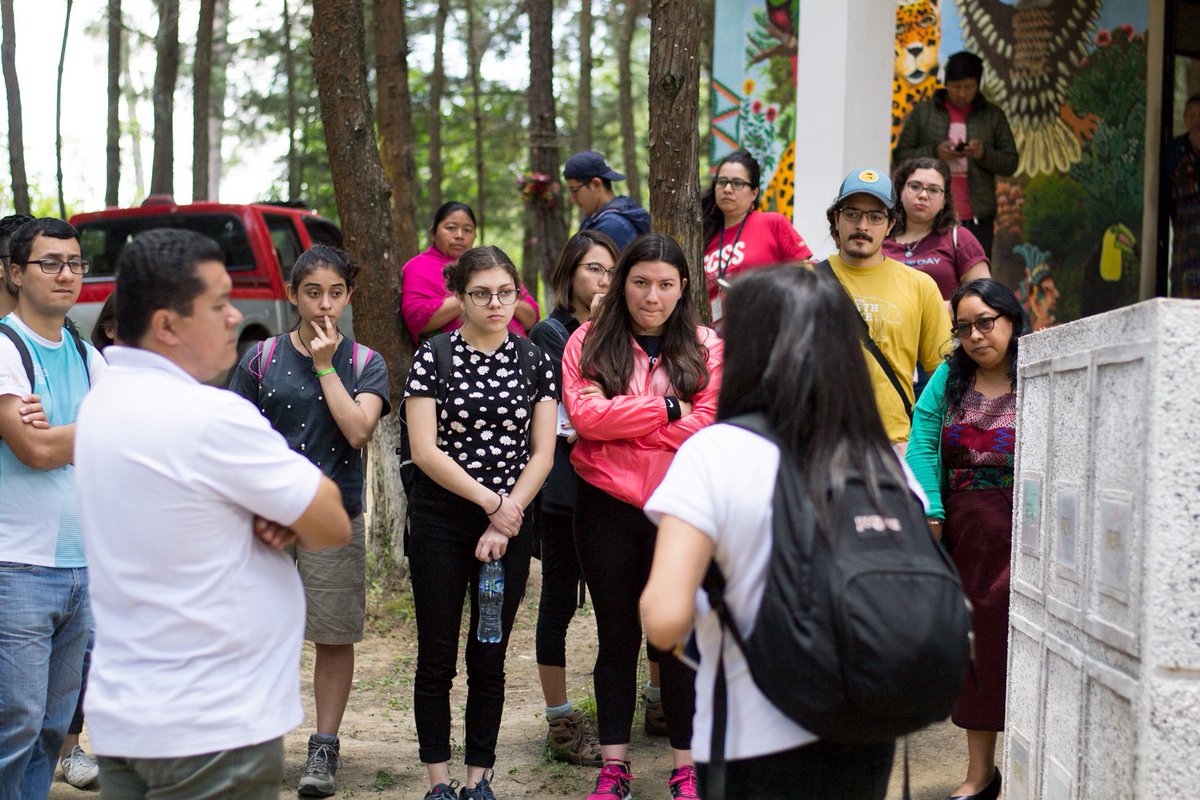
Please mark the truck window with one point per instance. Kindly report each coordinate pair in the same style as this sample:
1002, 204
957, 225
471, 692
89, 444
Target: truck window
322, 231
287, 243
103, 239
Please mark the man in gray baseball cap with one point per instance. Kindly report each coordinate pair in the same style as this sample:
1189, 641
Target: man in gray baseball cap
589, 179
905, 321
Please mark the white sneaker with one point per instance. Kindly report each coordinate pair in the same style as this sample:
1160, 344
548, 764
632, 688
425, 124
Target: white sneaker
79, 769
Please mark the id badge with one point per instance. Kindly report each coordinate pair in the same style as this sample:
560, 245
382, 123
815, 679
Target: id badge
564, 422
716, 309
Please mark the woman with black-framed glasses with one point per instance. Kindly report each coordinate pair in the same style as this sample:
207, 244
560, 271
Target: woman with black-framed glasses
739, 236
961, 449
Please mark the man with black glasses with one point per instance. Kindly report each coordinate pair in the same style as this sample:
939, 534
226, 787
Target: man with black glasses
904, 318
43, 572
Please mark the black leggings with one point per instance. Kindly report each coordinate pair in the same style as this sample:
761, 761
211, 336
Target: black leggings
560, 587
616, 545
443, 567
819, 771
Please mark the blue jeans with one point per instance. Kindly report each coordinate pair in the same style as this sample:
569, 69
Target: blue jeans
43, 635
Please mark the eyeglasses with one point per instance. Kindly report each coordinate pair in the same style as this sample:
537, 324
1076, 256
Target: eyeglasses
984, 325
575, 189
482, 297
53, 266
932, 190
737, 183
855, 214
597, 269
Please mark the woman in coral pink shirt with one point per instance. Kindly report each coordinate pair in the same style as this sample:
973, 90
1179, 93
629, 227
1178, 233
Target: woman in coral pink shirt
740, 237
427, 306
638, 380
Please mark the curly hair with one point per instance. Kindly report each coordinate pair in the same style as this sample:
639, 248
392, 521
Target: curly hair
947, 218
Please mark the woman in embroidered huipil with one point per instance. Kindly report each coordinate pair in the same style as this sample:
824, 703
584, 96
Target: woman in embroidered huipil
961, 450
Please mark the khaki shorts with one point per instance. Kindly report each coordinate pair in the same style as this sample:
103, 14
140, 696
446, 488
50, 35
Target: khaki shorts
335, 588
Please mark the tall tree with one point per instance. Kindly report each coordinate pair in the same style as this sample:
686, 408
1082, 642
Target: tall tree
583, 129
62, 58
289, 72
674, 113
112, 178
166, 71
202, 98
437, 87
340, 67
395, 121
549, 229
627, 27
475, 48
221, 55
135, 127
16, 140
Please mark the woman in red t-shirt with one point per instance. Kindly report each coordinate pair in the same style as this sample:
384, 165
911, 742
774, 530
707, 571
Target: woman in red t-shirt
927, 235
740, 237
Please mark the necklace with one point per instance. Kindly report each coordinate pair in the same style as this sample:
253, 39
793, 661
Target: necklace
909, 247
304, 346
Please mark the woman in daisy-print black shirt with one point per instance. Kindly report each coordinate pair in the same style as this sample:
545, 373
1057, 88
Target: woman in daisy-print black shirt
482, 452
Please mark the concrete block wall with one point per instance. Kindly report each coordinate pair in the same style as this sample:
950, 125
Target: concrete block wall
1104, 625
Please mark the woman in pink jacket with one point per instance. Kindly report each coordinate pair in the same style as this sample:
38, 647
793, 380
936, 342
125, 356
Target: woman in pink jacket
427, 306
637, 382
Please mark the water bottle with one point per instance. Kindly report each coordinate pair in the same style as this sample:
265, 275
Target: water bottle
491, 602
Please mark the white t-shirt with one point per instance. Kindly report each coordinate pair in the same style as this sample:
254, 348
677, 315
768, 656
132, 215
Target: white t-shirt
198, 624
722, 482
38, 521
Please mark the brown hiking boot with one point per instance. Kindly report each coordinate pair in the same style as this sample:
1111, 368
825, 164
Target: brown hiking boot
570, 740
656, 718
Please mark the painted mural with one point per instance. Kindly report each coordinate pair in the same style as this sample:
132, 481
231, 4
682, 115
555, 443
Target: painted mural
754, 91
1071, 77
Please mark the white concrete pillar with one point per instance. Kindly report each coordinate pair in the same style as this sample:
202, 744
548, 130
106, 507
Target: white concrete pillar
843, 103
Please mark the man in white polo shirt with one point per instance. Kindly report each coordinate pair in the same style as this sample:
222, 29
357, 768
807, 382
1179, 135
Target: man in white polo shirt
186, 493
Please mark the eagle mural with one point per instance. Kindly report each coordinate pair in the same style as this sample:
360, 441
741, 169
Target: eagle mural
1031, 50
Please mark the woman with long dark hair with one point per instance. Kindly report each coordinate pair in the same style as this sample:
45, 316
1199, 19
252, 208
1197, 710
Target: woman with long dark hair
579, 280
638, 381
793, 355
481, 426
739, 237
325, 394
927, 235
427, 305
962, 449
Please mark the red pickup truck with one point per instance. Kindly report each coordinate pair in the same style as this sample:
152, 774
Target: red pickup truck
260, 242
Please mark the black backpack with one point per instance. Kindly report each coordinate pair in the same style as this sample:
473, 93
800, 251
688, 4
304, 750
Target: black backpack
27, 358
861, 640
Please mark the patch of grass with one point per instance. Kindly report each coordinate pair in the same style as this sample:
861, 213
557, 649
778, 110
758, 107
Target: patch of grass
384, 779
588, 706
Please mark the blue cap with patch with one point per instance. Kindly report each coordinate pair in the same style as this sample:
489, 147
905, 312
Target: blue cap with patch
867, 181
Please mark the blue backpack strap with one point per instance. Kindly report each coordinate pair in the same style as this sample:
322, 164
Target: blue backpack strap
22, 351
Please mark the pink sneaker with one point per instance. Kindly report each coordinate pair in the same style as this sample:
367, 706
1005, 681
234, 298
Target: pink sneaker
683, 783
613, 782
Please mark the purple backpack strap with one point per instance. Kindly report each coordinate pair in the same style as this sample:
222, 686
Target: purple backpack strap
357, 364
266, 352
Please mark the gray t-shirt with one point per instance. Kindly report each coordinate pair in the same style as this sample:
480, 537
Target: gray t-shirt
291, 399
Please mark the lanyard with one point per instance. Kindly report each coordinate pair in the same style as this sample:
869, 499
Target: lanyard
722, 262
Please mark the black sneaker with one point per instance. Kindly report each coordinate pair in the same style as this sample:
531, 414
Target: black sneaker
320, 768
482, 790
443, 791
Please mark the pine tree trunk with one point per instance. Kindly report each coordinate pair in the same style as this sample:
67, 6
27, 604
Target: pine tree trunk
583, 130
202, 99
289, 72
628, 26
112, 179
135, 126
549, 230
62, 57
166, 72
437, 87
221, 55
474, 60
340, 69
674, 111
395, 122
16, 140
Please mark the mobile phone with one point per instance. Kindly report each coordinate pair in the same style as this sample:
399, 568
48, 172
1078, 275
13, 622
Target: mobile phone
960, 147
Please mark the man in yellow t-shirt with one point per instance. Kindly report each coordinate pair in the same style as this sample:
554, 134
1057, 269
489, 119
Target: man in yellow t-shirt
902, 307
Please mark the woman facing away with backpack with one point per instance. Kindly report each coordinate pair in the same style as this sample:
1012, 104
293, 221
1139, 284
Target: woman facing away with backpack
580, 278
325, 394
794, 356
481, 428
637, 382
962, 450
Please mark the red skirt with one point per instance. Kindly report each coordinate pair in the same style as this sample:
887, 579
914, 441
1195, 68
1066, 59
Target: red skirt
978, 534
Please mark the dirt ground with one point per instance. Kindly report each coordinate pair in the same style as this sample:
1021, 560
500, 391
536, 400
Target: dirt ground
379, 740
